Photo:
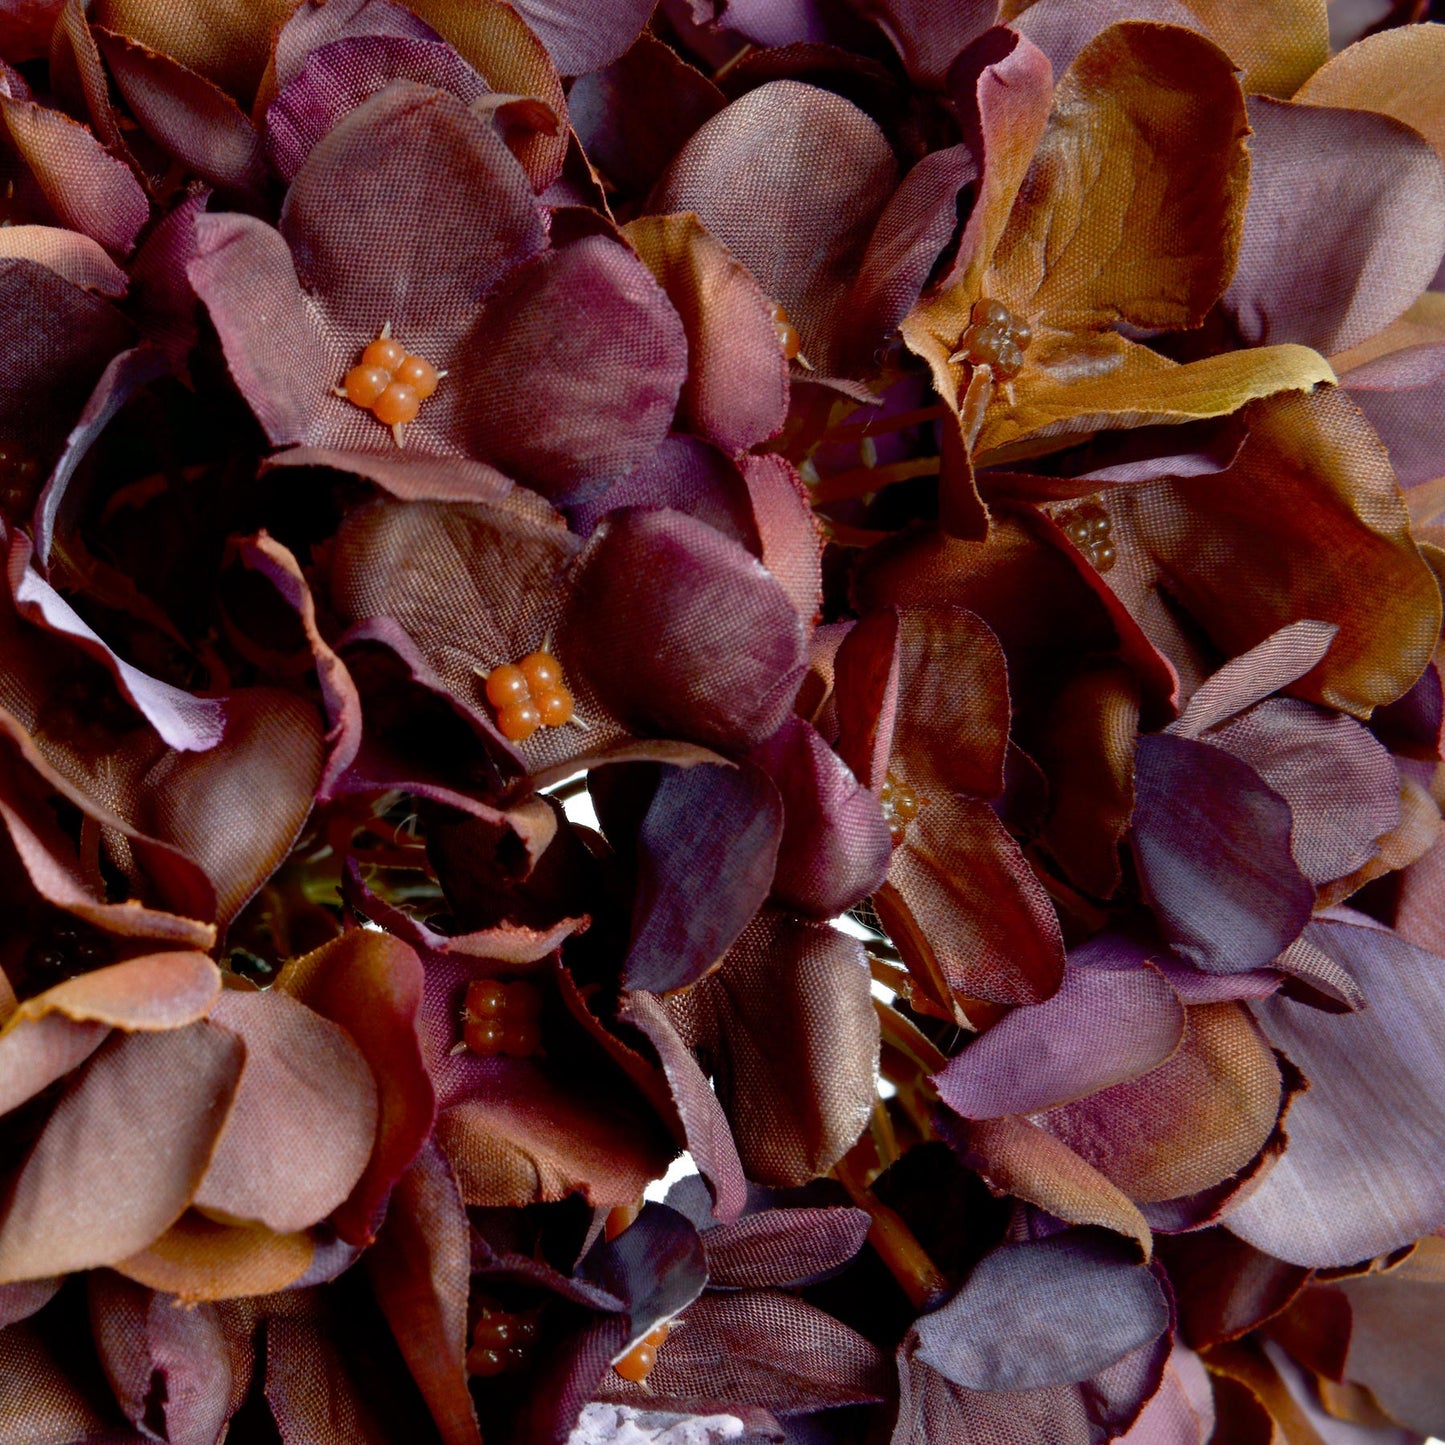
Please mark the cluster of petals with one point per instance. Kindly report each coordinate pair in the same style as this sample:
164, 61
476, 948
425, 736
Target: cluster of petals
722, 721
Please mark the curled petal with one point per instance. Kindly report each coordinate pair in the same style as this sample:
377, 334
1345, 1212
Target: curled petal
156, 991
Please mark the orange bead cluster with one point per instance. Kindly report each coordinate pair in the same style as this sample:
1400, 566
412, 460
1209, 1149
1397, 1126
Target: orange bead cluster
1087, 527
502, 1018
901, 805
529, 695
389, 382
501, 1340
636, 1365
997, 339
788, 337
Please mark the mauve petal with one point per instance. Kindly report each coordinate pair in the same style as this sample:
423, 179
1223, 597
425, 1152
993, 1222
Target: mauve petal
1342, 787
1061, 29
794, 1112
1014, 1156
574, 368
682, 633
1113, 1018
88, 189
928, 34
122, 1152
792, 180
1048, 1312
147, 994
304, 1119
634, 115
73, 257
709, 1139
835, 843
1212, 843
419, 1268
127, 372
353, 218
1358, 194
34, 1053
273, 339
1281, 659
189, 116
405, 474
21, 1300
338, 77
163, 301
371, 985
736, 392
686, 475
183, 722
961, 894
1403, 396
1372, 1113
579, 37
318, 23
864, 673
792, 536
146, 1344
1199, 1118
783, 1248
706, 852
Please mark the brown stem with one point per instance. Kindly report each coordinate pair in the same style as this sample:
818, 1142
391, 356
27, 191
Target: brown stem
907, 1261
859, 481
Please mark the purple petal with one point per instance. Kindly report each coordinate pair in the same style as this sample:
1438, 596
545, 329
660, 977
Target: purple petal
1333, 272
1212, 843
655, 1266
163, 301
338, 77
1373, 1111
706, 853
1113, 1018
316, 23
835, 843
792, 179
184, 722
70, 255
192, 118
1048, 1312
686, 475
351, 217
560, 415
1403, 395
784, 1248
709, 648
580, 36
1061, 30
928, 34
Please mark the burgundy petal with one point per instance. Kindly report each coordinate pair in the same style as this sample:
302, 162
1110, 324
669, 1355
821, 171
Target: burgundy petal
706, 853
587, 405
405, 474
1372, 1111
1212, 842
1048, 1312
683, 633
790, 174
783, 1247
1113, 1018
835, 844
1374, 244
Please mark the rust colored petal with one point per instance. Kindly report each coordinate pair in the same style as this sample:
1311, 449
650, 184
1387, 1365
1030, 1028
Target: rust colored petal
1225, 1287
304, 1121
1372, 1111
88, 189
199, 1259
791, 179
154, 992
794, 1112
1382, 228
682, 633
420, 1268
371, 984
1336, 547
1187, 1125
123, 1152
736, 392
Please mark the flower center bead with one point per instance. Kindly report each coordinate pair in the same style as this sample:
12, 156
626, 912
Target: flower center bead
901, 806
502, 1018
995, 338
636, 1365
501, 1340
788, 337
390, 383
528, 695
1087, 527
